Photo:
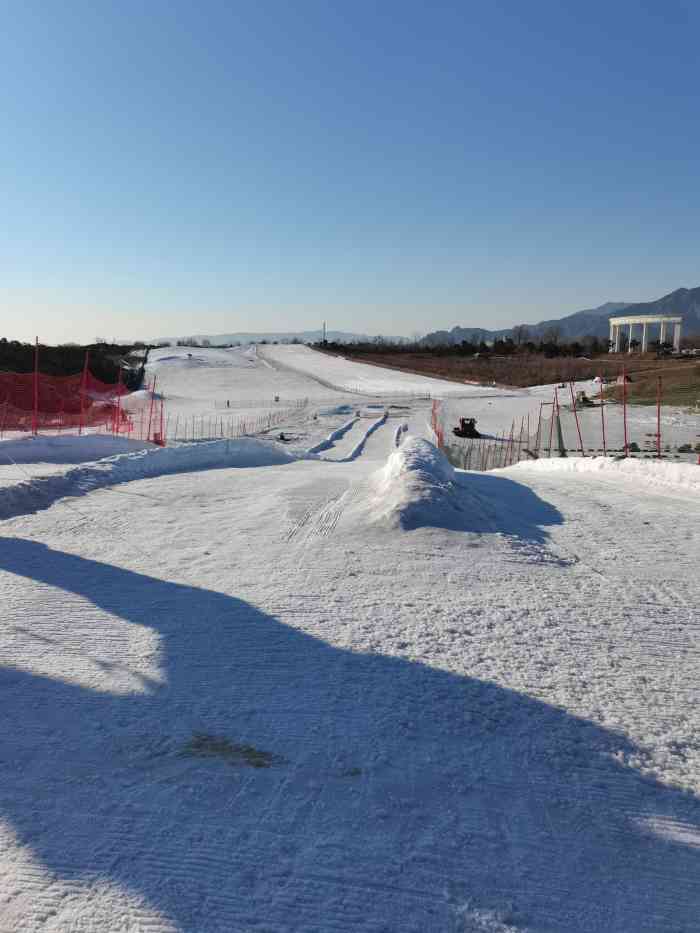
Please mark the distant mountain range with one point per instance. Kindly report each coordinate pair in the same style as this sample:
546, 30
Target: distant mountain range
592, 322
300, 336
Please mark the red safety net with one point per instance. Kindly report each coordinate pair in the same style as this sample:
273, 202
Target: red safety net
32, 402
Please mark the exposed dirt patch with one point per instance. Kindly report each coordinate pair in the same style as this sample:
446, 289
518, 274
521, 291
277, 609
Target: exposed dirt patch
202, 745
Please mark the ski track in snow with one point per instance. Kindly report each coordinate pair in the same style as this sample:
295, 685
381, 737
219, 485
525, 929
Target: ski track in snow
251, 699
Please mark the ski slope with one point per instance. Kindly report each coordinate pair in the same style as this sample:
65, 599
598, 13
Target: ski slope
336, 372
197, 383
336, 685
497, 410
202, 379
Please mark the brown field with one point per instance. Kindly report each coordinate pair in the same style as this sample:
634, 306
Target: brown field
680, 378
680, 385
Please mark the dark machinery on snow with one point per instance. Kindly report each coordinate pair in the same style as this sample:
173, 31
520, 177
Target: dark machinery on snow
582, 401
466, 428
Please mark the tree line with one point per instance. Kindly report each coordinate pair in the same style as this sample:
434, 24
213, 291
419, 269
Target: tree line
550, 346
68, 359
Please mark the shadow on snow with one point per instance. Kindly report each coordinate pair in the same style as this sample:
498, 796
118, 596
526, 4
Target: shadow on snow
389, 795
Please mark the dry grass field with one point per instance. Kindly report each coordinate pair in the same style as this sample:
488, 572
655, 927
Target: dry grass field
680, 385
680, 377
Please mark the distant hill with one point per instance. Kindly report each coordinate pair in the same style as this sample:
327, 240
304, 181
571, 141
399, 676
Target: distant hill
301, 336
592, 322
684, 302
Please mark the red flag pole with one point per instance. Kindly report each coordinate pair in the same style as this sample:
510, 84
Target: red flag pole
551, 429
118, 414
83, 390
150, 413
658, 417
624, 408
602, 414
578, 426
35, 415
539, 428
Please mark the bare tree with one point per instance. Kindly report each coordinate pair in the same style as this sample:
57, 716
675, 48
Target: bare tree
552, 335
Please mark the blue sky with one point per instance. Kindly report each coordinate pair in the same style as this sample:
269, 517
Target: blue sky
175, 167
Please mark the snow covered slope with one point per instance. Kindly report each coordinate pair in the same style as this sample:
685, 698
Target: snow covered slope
348, 695
348, 376
202, 380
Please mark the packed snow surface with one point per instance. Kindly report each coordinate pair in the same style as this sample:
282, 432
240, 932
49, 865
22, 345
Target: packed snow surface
247, 688
344, 375
204, 380
41, 492
679, 477
66, 448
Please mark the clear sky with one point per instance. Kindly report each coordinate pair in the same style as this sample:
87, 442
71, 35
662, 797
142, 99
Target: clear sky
394, 167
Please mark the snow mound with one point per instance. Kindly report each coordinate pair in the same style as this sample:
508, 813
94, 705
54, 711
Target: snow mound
334, 436
679, 477
69, 449
416, 487
41, 493
189, 358
140, 396
360, 445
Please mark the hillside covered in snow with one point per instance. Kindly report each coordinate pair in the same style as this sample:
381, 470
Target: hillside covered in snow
326, 681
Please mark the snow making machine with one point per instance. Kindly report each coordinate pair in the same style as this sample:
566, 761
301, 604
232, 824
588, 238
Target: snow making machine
466, 428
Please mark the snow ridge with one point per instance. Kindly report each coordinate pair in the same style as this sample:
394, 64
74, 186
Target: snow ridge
37, 494
334, 436
360, 446
681, 477
401, 429
415, 487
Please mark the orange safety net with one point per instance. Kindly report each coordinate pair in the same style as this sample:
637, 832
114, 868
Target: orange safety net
30, 402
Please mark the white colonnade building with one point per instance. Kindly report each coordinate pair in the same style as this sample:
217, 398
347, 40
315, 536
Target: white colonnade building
645, 320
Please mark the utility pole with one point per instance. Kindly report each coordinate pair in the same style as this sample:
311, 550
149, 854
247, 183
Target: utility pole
324, 332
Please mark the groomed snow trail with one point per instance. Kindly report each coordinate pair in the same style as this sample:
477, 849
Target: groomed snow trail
342, 375
360, 696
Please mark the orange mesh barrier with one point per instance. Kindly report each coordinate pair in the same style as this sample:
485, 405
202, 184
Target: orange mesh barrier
61, 402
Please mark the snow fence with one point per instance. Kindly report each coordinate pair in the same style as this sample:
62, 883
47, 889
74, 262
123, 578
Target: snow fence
563, 427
